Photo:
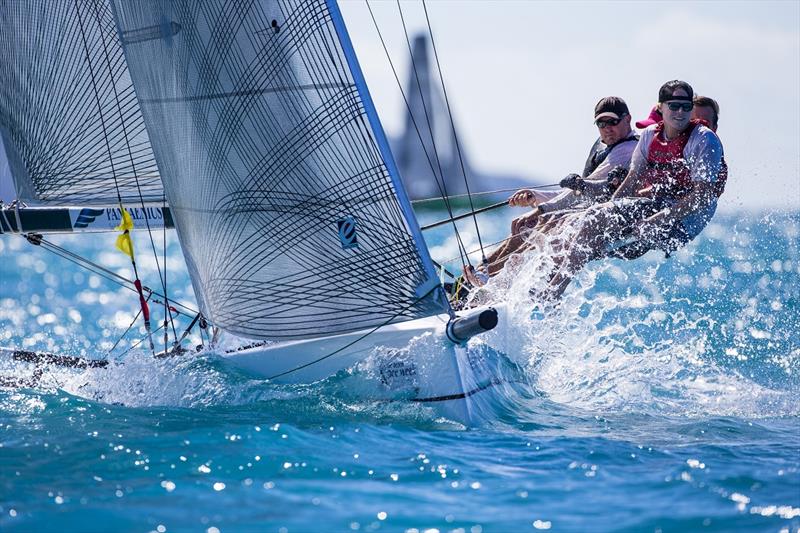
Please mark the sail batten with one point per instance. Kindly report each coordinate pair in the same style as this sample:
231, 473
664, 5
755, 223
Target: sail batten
275, 169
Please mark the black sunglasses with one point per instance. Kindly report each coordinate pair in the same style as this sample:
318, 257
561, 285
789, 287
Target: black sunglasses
603, 122
686, 106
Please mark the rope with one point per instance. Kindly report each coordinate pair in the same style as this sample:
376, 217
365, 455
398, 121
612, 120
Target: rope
453, 126
167, 312
465, 215
142, 301
124, 333
566, 211
428, 120
484, 193
162, 277
102, 271
132, 347
443, 197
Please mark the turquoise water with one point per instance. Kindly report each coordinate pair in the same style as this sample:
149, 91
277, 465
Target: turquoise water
660, 395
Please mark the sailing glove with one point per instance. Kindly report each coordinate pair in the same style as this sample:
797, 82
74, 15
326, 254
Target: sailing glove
574, 182
615, 178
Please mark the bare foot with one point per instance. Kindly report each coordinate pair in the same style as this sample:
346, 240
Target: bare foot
476, 279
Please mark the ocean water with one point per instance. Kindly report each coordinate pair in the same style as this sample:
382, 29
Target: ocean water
660, 395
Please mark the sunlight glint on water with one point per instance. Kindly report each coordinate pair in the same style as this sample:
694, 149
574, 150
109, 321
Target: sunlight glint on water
658, 394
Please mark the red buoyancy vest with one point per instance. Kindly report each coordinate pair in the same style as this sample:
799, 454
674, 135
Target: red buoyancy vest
667, 171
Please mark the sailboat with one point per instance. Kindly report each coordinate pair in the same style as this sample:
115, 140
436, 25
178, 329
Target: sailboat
248, 127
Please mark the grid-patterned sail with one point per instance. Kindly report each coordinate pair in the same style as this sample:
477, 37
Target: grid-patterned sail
71, 128
275, 167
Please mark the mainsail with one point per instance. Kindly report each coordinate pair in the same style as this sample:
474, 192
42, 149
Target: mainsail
290, 213
71, 128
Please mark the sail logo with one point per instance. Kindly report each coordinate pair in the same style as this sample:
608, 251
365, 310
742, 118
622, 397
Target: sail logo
108, 218
86, 217
347, 232
114, 214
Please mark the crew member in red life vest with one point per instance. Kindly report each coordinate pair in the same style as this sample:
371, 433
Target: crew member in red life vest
706, 110
665, 201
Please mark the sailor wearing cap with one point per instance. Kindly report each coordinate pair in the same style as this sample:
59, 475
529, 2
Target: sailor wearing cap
605, 168
609, 155
667, 198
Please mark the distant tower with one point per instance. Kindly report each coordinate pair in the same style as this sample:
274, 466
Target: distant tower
429, 132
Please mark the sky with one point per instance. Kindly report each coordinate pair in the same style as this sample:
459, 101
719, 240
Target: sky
523, 77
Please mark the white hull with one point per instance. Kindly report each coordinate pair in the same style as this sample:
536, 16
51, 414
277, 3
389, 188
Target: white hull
411, 361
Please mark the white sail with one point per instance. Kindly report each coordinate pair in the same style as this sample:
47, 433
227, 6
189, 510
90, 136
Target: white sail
71, 129
289, 210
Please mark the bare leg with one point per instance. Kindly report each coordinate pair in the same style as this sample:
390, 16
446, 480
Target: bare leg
598, 230
514, 244
524, 241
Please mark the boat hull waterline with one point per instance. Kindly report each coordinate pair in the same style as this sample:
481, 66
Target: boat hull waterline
416, 361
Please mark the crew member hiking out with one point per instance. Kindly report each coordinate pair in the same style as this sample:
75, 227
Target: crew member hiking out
665, 201
605, 167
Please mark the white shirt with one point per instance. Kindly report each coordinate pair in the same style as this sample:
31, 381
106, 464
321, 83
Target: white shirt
703, 153
620, 155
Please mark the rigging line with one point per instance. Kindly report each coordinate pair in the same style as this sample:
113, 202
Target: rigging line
135, 318
97, 100
162, 277
432, 225
111, 157
428, 120
110, 276
81, 264
187, 331
489, 245
567, 211
430, 124
442, 267
134, 346
362, 337
484, 193
461, 245
106, 273
167, 312
453, 126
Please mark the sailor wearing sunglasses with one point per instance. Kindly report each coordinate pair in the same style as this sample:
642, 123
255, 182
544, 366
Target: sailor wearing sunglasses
612, 150
665, 201
608, 162
676, 164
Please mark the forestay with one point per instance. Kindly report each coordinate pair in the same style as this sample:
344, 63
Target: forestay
287, 204
71, 129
